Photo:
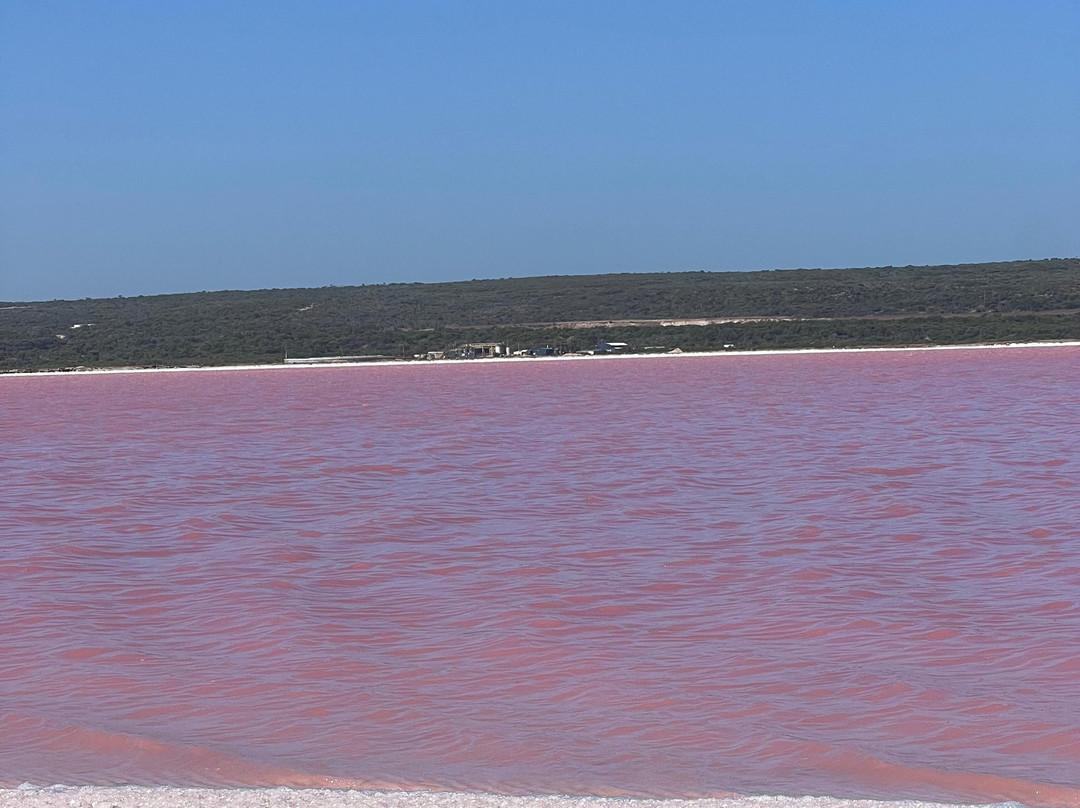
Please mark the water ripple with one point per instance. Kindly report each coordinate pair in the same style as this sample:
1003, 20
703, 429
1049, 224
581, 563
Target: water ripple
784, 574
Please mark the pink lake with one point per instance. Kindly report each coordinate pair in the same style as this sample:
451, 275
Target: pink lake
849, 574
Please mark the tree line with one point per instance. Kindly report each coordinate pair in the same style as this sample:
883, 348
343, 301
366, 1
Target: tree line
1009, 301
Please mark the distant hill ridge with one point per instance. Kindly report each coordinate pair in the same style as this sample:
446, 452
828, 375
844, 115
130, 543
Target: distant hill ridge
408, 318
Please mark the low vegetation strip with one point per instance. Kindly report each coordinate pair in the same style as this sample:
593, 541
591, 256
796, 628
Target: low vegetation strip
691, 311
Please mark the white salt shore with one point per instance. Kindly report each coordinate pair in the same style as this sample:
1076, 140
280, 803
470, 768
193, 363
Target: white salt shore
567, 358
169, 797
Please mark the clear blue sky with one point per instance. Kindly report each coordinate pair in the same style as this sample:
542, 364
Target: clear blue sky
152, 146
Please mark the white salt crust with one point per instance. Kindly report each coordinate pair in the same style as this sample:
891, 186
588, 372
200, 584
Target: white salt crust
169, 797
540, 359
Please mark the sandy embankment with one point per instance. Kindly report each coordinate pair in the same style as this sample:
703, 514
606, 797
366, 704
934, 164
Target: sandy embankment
565, 358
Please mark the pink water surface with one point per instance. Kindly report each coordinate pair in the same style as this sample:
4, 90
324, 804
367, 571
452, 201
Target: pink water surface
851, 574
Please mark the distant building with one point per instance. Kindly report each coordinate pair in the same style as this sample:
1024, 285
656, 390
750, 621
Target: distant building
481, 350
612, 347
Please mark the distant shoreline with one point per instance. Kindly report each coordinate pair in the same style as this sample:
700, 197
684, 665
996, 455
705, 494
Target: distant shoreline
485, 362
